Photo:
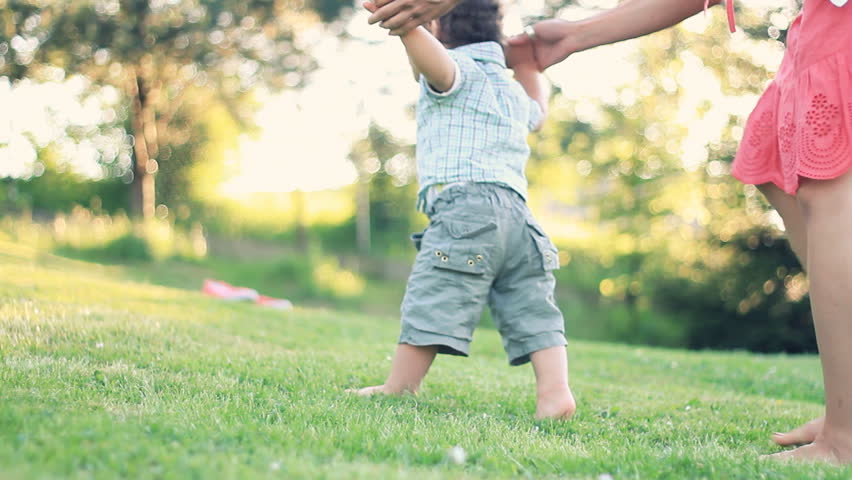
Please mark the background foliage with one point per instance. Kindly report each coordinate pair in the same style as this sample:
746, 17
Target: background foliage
660, 245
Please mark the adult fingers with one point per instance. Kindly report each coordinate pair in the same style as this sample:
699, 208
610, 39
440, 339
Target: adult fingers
386, 12
370, 6
524, 40
542, 63
403, 21
538, 56
519, 40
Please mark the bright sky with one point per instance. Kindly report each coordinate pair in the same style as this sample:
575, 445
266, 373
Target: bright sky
42, 113
306, 135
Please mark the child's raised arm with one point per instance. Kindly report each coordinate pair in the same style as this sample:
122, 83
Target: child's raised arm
427, 56
430, 59
536, 87
526, 73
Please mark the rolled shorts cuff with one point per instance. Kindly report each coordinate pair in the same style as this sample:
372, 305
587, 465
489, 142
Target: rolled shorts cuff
519, 351
445, 343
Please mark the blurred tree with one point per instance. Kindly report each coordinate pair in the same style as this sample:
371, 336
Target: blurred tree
55, 188
384, 165
170, 59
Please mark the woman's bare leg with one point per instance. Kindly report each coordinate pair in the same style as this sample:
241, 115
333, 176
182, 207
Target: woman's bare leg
827, 209
794, 219
794, 223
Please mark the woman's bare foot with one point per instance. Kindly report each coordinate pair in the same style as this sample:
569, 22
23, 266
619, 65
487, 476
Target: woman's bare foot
559, 405
837, 451
808, 453
803, 435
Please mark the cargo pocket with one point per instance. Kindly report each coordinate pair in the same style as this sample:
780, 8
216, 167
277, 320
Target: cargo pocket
465, 246
548, 253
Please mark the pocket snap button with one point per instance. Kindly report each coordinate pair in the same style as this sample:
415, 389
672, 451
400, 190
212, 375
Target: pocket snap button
445, 258
439, 253
470, 262
479, 258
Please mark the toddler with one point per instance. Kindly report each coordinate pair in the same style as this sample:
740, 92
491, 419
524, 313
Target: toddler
483, 245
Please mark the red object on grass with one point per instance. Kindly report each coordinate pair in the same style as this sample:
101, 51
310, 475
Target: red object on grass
276, 303
226, 291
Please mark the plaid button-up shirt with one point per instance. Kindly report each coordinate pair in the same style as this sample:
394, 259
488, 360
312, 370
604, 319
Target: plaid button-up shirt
477, 130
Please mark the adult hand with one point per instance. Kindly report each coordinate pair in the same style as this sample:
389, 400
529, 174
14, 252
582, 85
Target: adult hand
552, 42
401, 16
520, 54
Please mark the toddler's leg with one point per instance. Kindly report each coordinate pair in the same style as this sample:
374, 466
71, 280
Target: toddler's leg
553, 395
410, 364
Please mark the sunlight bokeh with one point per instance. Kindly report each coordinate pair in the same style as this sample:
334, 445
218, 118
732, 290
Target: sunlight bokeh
284, 157
304, 136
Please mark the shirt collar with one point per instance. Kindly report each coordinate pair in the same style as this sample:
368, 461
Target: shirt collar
490, 52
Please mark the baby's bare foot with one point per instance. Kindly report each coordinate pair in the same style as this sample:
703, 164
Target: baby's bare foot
384, 389
369, 391
558, 405
803, 435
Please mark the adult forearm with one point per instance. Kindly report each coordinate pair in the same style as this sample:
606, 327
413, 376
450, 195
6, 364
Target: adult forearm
632, 18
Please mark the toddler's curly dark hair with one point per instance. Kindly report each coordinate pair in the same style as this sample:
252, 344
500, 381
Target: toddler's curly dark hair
472, 21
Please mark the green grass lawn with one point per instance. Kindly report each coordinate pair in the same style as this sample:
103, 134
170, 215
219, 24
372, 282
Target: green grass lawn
104, 377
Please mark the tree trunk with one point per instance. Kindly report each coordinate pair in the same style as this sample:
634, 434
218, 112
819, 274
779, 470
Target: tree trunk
637, 228
301, 221
362, 217
143, 191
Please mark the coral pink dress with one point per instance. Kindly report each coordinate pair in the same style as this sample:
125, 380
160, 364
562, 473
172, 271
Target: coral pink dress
802, 125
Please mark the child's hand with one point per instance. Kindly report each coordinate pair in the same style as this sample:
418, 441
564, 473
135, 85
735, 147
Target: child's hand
521, 55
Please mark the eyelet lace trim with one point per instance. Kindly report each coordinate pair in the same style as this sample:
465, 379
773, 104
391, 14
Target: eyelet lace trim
823, 138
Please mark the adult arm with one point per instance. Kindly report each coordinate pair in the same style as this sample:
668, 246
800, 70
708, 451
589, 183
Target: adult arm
555, 40
402, 16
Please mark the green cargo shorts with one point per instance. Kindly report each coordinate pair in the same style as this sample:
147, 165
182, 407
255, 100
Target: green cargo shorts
482, 246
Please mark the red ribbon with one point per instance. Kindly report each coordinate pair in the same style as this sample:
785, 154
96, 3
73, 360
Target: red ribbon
729, 5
